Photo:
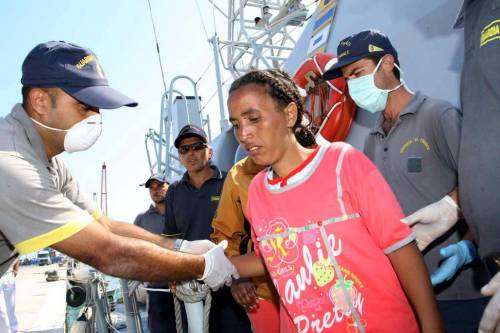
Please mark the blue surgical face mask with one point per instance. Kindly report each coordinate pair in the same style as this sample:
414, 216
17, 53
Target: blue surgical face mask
367, 95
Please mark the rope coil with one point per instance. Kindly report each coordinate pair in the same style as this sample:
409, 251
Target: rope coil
192, 292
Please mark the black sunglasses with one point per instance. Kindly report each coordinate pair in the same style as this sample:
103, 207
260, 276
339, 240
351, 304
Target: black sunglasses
184, 149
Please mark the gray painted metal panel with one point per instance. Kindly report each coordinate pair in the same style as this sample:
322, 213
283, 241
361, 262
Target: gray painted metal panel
224, 146
184, 111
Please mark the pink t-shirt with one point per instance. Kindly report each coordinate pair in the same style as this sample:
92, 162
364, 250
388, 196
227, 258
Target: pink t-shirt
324, 232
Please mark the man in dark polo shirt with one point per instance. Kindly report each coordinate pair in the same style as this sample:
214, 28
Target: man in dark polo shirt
415, 144
161, 313
191, 204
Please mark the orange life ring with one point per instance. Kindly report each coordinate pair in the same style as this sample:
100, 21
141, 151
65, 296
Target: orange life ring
329, 106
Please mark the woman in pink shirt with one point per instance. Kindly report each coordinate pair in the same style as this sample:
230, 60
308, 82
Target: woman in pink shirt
325, 224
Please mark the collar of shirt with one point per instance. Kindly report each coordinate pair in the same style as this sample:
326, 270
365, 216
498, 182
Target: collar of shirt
411, 108
217, 174
283, 181
460, 20
19, 114
250, 167
298, 175
152, 210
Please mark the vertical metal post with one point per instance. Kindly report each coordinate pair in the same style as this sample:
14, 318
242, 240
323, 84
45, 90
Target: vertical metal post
102, 326
134, 324
164, 133
223, 120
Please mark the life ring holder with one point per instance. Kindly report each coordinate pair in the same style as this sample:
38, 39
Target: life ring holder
330, 108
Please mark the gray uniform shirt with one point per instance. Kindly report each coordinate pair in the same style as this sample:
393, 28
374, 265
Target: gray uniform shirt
479, 163
418, 158
151, 220
40, 202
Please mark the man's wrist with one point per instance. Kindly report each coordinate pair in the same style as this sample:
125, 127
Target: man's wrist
201, 267
178, 244
167, 243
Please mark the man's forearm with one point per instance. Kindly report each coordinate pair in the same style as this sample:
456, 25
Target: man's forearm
139, 260
130, 258
130, 230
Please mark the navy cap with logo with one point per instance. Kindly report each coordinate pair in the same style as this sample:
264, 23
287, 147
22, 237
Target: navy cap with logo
190, 131
74, 69
157, 176
358, 46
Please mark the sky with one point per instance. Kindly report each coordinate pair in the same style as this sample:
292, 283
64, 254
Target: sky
121, 35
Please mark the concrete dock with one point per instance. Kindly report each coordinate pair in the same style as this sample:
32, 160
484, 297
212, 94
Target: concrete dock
40, 305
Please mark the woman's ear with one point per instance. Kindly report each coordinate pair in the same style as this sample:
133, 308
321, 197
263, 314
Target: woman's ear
291, 114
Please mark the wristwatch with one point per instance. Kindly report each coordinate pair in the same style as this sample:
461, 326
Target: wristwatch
178, 244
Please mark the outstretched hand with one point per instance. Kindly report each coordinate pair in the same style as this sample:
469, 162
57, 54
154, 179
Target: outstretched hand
490, 322
433, 221
456, 256
197, 246
219, 270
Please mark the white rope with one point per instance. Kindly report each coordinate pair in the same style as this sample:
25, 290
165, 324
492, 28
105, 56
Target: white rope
214, 94
205, 71
192, 292
157, 289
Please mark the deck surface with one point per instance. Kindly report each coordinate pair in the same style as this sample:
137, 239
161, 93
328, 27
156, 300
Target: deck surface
40, 305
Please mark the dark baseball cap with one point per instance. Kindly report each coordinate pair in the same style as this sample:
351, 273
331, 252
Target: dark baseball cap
74, 69
157, 176
358, 46
190, 131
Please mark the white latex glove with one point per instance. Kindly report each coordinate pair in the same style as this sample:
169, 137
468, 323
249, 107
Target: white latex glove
218, 269
433, 221
490, 322
197, 246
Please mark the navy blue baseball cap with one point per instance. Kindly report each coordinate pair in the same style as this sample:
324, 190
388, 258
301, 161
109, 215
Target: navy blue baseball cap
74, 69
358, 46
156, 176
190, 131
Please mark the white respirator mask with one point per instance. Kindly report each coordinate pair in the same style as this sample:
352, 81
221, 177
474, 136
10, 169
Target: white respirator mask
82, 135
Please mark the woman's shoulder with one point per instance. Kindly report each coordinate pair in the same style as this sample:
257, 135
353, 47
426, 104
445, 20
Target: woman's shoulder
339, 148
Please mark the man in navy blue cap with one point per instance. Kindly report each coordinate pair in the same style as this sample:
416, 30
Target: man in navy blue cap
64, 88
161, 311
415, 144
190, 206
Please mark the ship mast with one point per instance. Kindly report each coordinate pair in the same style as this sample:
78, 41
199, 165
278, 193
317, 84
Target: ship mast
104, 190
260, 33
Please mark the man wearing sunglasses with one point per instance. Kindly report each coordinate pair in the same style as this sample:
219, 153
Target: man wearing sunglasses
64, 88
191, 204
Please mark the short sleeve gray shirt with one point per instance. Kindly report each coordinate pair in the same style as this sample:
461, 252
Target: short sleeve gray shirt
419, 160
40, 202
151, 220
418, 157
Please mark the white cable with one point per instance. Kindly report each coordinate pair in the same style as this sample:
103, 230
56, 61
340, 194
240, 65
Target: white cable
205, 71
201, 18
157, 47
